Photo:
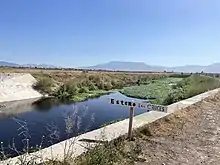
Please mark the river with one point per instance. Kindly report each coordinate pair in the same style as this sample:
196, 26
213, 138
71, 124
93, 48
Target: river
48, 122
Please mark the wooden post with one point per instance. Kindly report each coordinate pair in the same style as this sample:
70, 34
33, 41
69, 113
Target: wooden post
132, 104
130, 123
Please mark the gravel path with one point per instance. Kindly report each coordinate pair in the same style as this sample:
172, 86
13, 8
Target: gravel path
191, 137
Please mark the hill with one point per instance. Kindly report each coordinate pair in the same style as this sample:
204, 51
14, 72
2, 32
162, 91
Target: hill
125, 66
9, 64
3, 63
140, 66
131, 66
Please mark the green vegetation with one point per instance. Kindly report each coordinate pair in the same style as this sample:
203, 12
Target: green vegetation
158, 88
86, 85
44, 85
107, 153
170, 90
191, 86
155, 91
181, 75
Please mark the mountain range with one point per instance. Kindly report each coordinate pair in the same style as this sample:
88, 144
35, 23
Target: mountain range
141, 66
131, 66
9, 64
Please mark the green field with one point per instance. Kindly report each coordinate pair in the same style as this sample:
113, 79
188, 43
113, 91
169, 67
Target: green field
169, 90
155, 91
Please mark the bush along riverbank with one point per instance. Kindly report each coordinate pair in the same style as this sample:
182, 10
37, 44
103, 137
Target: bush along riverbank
170, 90
190, 87
88, 85
155, 90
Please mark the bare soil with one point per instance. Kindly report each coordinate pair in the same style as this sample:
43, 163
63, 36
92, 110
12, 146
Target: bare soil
190, 136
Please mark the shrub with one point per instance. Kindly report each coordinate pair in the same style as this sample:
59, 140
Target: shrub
92, 86
108, 86
62, 93
83, 90
67, 90
182, 75
44, 85
106, 154
116, 84
174, 96
191, 86
85, 71
100, 84
71, 88
200, 84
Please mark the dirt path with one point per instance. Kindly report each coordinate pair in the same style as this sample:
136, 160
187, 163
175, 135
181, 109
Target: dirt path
191, 136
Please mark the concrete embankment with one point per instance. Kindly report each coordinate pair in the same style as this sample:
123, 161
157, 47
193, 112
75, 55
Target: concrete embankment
17, 87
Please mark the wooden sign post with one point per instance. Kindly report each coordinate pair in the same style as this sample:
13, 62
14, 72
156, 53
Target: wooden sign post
132, 104
130, 123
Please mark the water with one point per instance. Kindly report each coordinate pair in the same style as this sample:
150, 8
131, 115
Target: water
45, 122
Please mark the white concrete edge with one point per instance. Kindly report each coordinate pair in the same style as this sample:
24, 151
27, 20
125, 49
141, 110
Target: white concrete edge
109, 133
28, 84
22, 99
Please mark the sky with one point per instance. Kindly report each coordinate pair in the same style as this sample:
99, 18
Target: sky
73, 33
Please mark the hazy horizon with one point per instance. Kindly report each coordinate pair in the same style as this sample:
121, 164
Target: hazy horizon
85, 33
107, 63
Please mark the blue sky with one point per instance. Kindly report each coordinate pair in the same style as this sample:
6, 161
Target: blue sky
76, 33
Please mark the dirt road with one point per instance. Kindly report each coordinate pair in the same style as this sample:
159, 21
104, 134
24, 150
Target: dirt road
191, 137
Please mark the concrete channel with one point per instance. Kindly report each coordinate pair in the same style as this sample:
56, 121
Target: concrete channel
78, 145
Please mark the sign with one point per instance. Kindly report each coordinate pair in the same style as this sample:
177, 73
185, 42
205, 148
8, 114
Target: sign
132, 105
148, 106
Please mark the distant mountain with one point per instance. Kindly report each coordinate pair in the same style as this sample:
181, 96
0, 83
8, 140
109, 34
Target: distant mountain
122, 66
212, 68
131, 66
126, 66
3, 63
140, 66
9, 64
38, 66
187, 68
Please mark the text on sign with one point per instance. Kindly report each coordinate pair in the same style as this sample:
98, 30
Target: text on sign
148, 106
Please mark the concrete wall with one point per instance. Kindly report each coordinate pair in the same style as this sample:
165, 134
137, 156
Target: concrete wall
17, 87
78, 145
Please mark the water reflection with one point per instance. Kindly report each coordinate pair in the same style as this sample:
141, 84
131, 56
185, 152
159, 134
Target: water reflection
45, 104
14, 108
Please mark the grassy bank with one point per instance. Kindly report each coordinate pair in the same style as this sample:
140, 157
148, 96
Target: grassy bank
170, 90
160, 88
156, 90
86, 85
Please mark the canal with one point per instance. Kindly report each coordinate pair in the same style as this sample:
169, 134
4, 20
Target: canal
31, 123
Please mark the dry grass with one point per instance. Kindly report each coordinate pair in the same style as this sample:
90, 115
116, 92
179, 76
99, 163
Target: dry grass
67, 74
172, 123
182, 137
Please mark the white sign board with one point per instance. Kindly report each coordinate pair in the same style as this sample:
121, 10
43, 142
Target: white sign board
148, 106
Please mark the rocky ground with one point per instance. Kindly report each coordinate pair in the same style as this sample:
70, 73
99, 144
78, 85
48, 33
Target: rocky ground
190, 136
